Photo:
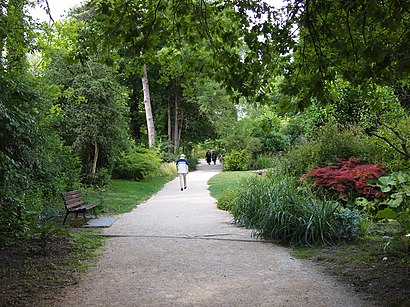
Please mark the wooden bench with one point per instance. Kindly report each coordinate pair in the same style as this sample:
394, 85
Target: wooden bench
74, 203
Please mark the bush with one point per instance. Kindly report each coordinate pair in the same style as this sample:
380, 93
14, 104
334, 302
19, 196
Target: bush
226, 201
138, 164
277, 209
275, 142
263, 162
192, 162
167, 169
336, 142
348, 178
237, 161
100, 179
396, 206
328, 144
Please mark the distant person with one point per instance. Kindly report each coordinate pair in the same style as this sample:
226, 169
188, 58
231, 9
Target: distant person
208, 157
221, 159
214, 157
182, 168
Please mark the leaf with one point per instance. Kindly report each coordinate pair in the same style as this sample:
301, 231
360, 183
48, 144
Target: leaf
387, 213
395, 200
402, 177
385, 183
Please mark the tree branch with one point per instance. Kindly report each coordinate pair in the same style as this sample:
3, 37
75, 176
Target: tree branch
49, 11
404, 153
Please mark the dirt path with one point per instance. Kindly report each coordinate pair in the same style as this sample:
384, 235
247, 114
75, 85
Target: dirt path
178, 249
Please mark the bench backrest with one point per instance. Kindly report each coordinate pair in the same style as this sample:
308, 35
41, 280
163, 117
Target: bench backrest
72, 199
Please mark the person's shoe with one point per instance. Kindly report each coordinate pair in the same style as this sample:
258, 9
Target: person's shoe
185, 188
182, 189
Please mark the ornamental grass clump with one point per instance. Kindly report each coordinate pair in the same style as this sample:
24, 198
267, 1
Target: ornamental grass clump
277, 209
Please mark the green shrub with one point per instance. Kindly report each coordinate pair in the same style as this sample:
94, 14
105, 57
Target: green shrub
396, 133
396, 206
226, 201
138, 164
277, 209
336, 142
328, 144
167, 168
275, 142
263, 162
193, 163
294, 129
100, 179
237, 161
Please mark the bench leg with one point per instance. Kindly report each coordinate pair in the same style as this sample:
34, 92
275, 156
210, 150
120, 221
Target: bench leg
66, 216
85, 220
95, 213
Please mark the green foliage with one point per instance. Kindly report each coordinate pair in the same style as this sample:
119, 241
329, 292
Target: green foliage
394, 133
168, 169
294, 129
263, 162
274, 206
237, 160
336, 142
351, 222
100, 179
327, 145
192, 162
275, 142
397, 204
226, 201
331, 45
89, 112
137, 164
34, 164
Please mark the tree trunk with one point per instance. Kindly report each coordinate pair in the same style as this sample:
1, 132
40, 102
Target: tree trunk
94, 168
148, 111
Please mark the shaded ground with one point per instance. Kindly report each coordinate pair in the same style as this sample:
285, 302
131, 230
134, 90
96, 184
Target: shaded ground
29, 275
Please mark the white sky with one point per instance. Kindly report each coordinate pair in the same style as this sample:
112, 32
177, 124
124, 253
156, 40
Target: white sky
59, 8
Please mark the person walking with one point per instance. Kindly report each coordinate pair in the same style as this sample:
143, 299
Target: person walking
182, 168
214, 157
208, 157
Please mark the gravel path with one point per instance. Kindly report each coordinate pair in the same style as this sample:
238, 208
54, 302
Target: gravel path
178, 249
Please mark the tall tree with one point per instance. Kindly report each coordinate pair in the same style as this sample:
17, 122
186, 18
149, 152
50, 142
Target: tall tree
364, 42
148, 111
91, 106
235, 45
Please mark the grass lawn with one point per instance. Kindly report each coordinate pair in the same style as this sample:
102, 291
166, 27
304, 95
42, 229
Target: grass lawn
124, 195
226, 180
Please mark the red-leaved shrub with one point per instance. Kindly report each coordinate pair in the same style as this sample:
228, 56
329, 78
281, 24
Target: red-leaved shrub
348, 177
